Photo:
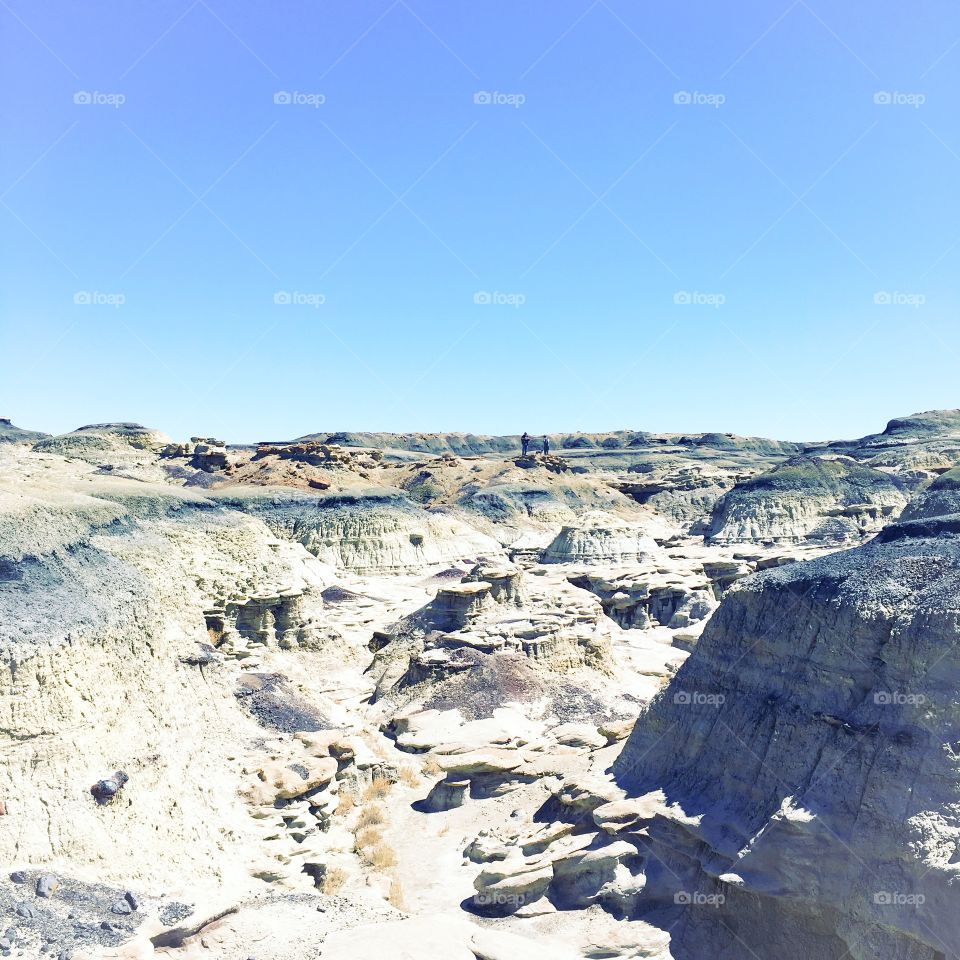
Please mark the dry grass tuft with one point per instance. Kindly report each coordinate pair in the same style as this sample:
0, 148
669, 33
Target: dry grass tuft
410, 776
374, 850
345, 803
377, 789
381, 856
369, 842
367, 837
397, 899
431, 768
333, 880
371, 816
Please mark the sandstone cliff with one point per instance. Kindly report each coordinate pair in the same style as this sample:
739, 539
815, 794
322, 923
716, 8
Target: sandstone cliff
107, 669
365, 531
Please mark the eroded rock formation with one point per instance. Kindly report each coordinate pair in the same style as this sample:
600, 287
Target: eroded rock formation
600, 538
337, 695
805, 761
372, 531
815, 498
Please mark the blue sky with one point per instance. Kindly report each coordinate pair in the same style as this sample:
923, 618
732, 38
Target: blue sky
574, 215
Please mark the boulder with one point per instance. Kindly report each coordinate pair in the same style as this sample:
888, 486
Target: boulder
47, 885
285, 780
586, 876
583, 794
502, 889
615, 730
476, 763
624, 814
104, 791
582, 735
447, 794
485, 848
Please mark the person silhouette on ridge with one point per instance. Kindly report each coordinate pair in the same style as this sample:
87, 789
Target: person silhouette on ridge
525, 442
546, 445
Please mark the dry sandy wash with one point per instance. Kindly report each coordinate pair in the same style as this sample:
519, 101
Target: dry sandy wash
418, 696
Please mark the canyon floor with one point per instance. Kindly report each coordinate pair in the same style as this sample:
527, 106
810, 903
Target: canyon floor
421, 696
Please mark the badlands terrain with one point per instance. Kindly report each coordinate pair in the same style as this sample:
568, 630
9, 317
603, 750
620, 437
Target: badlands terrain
362, 695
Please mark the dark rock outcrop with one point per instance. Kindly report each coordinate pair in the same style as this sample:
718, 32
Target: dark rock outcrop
941, 498
11, 433
807, 762
104, 791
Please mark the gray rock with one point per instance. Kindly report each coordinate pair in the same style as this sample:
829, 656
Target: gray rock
47, 885
174, 912
447, 794
105, 790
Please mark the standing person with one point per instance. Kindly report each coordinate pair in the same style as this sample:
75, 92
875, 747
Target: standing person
525, 442
546, 445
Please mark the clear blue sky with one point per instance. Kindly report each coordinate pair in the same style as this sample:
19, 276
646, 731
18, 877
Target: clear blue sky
582, 201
